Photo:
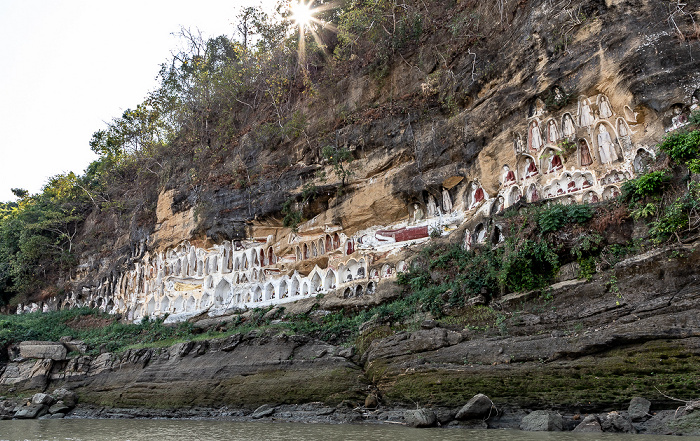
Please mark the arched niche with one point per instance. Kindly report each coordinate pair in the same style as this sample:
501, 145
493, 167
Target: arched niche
269, 292
518, 145
568, 127
532, 194
606, 143
551, 160
480, 233
585, 112
514, 195
643, 160
585, 155
205, 301
191, 303
610, 192
164, 305
257, 294
535, 139
552, 133
604, 107
223, 289
527, 167
282, 290
316, 284
330, 281
591, 197
294, 287
178, 304
371, 288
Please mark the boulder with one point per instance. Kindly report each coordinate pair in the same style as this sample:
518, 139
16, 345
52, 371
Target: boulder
31, 411
42, 349
40, 398
29, 374
589, 424
263, 411
74, 345
639, 408
542, 421
479, 407
59, 407
420, 418
371, 402
614, 422
68, 397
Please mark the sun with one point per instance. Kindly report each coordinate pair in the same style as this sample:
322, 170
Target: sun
302, 14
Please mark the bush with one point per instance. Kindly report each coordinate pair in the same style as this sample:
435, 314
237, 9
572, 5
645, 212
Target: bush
646, 185
555, 217
681, 146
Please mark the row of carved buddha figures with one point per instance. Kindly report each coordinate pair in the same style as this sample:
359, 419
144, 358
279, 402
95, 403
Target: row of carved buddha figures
596, 135
577, 186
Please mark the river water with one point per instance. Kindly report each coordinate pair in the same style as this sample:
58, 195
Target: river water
156, 430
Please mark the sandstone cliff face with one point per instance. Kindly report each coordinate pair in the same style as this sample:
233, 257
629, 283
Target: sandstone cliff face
559, 101
242, 371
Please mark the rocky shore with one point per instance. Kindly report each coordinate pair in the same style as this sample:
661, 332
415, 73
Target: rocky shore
478, 413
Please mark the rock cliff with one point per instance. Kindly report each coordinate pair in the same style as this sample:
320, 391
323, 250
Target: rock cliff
492, 109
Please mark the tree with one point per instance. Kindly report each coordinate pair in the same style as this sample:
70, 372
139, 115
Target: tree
338, 157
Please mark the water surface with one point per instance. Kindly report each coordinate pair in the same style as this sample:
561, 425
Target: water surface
155, 430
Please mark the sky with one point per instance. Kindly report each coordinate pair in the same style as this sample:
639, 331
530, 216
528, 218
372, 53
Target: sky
69, 66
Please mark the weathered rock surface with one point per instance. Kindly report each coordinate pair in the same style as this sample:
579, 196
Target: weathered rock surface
582, 344
480, 406
589, 424
31, 411
420, 418
639, 408
263, 411
542, 421
65, 396
42, 349
615, 422
244, 371
40, 398
59, 407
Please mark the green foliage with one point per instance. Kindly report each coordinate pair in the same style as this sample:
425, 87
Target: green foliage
527, 265
646, 185
645, 210
587, 268
110, 336
556, 97
339, 158
292, 216
694, 118
517, 266
681, 146
37, 234
377, 29
679, 216
556, 216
